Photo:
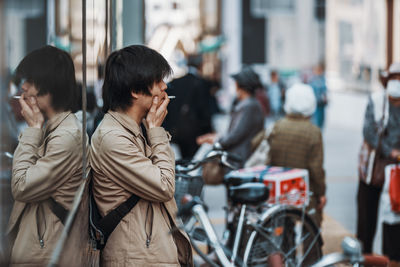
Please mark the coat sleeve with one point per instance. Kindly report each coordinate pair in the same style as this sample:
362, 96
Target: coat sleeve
315, 166
151, 178
239, 129
370, 128
36, 178
370, 131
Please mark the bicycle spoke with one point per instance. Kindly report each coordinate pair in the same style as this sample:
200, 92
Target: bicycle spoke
297, 245
310, 247
264, 234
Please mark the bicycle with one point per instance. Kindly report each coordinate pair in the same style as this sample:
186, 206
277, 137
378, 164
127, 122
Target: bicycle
255, 228
352, 255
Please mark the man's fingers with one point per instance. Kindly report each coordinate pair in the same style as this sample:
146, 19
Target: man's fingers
35, 107
153, 107
165, 103
164, 114
24, 105
163, 108
32, 100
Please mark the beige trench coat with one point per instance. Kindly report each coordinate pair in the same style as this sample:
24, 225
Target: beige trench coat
47, 163
123, 162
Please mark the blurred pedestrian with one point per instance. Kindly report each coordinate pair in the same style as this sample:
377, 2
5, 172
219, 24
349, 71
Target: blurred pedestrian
381, 134
47, 165
246, 118
276, 95
131, 158
296, 143
318, 84
189, 114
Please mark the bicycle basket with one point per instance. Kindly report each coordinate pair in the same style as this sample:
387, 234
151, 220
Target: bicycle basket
186, 184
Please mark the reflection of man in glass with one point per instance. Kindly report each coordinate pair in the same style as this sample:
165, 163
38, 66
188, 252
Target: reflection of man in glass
47, 166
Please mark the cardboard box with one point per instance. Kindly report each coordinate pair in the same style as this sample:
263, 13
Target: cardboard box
287, 185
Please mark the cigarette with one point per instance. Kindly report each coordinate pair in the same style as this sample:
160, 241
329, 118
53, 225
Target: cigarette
171, 96
16, 96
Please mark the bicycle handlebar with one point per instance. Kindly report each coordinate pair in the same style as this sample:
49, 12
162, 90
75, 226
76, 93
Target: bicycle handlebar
183, 166
233, 157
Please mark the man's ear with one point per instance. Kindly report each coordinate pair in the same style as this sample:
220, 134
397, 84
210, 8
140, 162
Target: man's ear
135, 95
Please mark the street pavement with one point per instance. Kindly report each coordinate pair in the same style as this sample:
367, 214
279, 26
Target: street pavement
342, 139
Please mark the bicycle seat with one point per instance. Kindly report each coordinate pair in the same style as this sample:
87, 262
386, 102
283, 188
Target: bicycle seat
249, 193
231, 179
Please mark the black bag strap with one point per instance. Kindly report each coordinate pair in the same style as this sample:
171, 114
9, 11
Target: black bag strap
58, 210
144, 131
112, 219
102, 227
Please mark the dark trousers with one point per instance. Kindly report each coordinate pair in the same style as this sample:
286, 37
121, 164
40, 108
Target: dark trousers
367, 214
391, 241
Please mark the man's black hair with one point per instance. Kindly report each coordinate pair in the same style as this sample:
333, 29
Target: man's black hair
52, 71
132, 69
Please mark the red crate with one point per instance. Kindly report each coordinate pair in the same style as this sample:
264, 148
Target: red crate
287, 185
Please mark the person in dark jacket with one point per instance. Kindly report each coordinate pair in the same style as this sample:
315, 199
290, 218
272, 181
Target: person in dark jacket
247, 118
189, 114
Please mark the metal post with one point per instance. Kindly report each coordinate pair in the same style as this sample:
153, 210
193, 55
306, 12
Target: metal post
107, 28
51, 21
389, 33
2, 102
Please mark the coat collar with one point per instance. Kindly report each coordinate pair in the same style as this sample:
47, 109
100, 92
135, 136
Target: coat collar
126, 121
243, 103
56, 121
297, 117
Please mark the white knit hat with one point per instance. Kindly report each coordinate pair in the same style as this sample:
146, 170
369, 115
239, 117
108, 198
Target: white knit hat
394, 68
300, 99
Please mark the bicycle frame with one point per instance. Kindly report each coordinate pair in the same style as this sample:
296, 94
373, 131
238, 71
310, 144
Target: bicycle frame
201, 215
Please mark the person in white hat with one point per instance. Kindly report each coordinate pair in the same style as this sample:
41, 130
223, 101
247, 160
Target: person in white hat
382, 116
297, 143
393, 84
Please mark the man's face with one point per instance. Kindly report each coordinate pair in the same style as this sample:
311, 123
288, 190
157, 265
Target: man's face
29, 90
158, 89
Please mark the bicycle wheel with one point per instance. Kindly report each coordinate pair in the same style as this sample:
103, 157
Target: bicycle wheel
288, 231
